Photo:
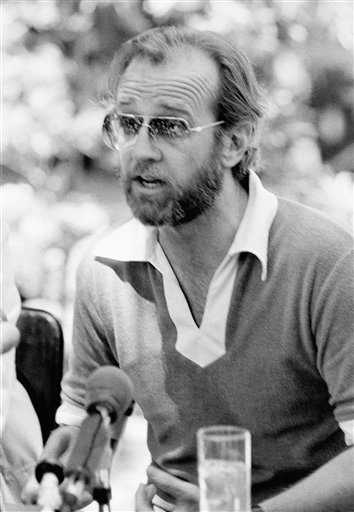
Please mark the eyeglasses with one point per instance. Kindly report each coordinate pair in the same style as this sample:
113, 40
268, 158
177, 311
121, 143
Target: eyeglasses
119, 128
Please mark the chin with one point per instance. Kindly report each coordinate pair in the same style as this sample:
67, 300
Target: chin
172, 219
172, 211
150, 215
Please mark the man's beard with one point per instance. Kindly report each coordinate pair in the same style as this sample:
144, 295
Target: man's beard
179, 206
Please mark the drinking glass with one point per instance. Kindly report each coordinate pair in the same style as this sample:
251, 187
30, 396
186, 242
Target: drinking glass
224, 469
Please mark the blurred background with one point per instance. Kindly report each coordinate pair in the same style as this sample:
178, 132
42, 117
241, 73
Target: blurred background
59, 183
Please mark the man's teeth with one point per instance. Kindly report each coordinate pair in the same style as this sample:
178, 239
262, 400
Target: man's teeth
149, 181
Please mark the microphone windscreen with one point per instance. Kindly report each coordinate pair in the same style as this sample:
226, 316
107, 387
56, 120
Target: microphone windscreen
109, 386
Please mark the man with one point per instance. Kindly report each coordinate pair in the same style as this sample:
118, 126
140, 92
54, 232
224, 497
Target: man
222, 303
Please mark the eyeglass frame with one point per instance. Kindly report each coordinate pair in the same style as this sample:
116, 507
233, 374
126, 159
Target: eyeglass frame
107, 135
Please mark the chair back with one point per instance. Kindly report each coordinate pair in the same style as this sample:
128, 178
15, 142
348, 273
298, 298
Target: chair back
39, 363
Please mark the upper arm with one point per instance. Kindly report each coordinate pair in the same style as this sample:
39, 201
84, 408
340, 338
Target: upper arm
91, 345
333, 328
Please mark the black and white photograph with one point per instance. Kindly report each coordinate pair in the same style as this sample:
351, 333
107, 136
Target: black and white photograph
177, 256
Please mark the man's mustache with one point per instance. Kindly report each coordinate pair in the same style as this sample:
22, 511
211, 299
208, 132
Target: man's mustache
145, 172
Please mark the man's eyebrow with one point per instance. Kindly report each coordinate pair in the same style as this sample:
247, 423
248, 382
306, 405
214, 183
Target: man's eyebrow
175, 109
125, 100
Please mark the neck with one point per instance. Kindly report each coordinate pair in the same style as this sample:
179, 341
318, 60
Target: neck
205, 241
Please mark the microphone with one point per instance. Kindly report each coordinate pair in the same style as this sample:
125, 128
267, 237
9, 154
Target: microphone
49, 474
109, 400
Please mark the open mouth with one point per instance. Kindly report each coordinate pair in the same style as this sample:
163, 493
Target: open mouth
149, 182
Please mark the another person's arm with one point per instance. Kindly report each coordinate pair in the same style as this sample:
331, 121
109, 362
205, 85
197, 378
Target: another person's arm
10, 336
9, 339
10, 311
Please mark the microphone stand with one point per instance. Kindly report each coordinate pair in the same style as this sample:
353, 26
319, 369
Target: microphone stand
102, 492
85, 476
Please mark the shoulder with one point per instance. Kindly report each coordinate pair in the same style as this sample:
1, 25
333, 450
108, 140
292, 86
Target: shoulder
301, 228
306, 245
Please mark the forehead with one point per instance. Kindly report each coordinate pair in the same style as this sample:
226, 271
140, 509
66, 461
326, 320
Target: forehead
187, 82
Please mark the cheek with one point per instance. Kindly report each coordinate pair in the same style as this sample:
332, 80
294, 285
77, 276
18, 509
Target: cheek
198, 155
182, 165
125, 162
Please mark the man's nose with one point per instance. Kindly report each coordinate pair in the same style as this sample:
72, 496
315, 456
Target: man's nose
144, 148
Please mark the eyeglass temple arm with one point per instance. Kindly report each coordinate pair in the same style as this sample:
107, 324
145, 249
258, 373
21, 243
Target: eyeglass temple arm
205, 126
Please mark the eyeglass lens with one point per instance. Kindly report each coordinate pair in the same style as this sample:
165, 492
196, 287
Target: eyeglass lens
125, 126
158, 127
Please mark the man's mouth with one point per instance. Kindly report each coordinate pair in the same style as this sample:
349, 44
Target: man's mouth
149, 182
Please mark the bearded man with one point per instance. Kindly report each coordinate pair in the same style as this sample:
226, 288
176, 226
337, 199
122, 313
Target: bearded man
223, 303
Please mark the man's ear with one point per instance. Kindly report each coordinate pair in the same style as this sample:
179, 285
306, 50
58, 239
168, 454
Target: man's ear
236, 140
